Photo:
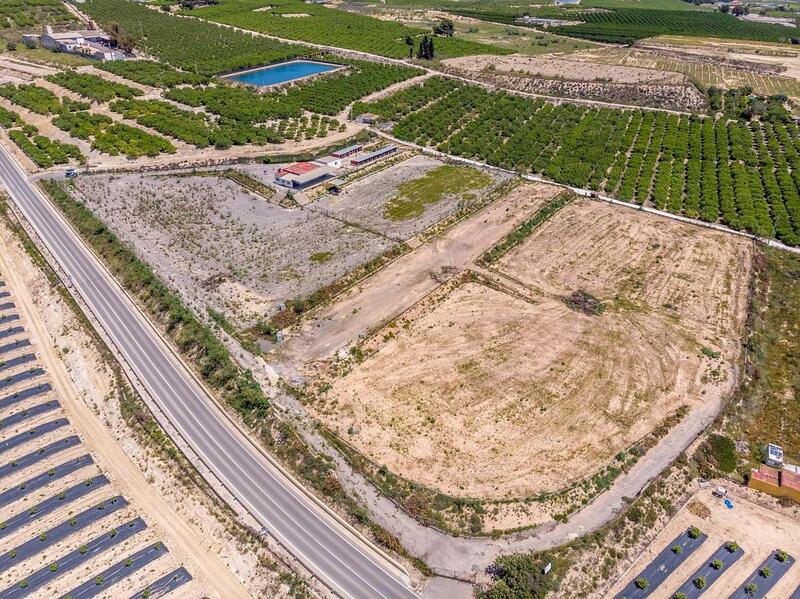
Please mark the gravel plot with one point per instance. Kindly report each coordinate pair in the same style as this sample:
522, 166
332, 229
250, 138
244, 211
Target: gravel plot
364, 201
223, 247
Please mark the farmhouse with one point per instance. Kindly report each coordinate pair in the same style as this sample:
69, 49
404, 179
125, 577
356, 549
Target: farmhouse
363, 159
302, 175
90, 43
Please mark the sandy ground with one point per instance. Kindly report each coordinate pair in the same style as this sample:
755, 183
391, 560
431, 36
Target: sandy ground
406, 281
196, 533
222, 246
506, 369
757, 529
780, 55
566, 69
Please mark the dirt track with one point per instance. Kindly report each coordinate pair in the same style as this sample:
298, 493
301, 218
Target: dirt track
408, 279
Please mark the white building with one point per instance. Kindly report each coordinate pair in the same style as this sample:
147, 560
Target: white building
330, 161
774, 456
90, 43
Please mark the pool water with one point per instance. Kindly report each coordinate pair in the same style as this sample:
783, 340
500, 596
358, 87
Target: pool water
288, 71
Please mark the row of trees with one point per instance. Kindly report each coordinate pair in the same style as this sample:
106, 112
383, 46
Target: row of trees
154, 74
407, 100
745, 174
93, 87
342, 29
34, 98
110, 137
44, 151
192, 128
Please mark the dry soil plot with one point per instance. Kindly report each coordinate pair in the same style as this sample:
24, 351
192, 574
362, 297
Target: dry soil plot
486, 395
566, 69
223, 247
757, 529
365, 201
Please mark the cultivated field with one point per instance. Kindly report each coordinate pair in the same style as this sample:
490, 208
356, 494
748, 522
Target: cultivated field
760, 529
520, 393
559, 68
707, 73
224, 247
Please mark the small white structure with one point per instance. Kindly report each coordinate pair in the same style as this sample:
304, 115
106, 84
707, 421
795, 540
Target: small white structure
362, 159
774, 456
330, 161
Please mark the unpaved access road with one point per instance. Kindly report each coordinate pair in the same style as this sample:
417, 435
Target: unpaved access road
408, 279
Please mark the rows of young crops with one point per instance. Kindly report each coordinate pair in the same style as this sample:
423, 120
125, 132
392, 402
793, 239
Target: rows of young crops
44, 151
297, 20
327, 95
110, 137
152, 73
743, 174
192, 45
93, 87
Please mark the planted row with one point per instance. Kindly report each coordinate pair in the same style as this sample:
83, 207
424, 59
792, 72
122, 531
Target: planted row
152, 73
92, 86
112, 138
745, 174
44, 152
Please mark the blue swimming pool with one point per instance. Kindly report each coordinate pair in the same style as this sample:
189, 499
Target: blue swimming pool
281, 73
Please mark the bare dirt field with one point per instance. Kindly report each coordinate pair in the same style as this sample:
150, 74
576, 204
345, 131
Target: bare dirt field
521, 394
560, 68
405, 281
224, 247
759, 529
365, 201
668, 96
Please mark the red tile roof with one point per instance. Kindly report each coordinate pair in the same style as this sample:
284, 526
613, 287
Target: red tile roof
298, 169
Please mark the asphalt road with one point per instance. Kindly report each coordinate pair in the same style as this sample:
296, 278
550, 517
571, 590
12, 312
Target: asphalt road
334, 554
